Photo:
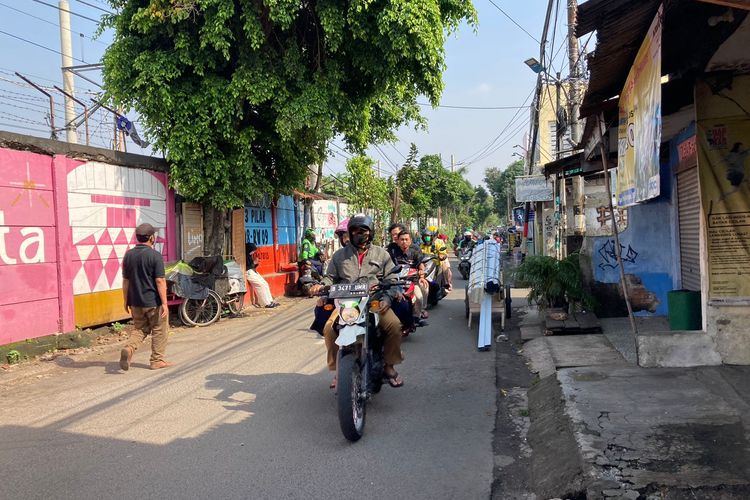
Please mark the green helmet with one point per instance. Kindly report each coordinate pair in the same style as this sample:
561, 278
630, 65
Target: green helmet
309, 233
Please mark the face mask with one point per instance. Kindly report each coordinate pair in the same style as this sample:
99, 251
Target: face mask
359, 239
427, 239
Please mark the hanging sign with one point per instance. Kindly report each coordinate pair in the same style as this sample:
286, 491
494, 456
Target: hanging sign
639, 126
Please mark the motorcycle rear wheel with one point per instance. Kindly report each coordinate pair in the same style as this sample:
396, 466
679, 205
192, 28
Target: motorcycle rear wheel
350, 400
201, 312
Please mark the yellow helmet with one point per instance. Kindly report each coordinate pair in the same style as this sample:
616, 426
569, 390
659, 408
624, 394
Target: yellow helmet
433, 229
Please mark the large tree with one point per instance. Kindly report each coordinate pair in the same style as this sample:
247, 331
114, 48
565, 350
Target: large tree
502, 185
243, 95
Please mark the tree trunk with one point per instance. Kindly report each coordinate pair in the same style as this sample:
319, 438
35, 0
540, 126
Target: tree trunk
216, 225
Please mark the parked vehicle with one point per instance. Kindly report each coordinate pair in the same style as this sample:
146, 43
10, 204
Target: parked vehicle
464, 262
206, 288
405, 312
360, 364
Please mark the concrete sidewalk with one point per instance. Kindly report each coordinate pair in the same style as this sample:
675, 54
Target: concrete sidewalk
603, 427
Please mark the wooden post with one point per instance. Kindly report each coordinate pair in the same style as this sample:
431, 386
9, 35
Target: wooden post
616, 232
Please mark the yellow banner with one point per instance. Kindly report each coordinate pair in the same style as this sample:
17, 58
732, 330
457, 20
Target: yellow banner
723, 136
639, 125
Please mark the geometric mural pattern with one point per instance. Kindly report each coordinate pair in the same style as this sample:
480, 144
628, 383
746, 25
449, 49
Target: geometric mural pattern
106, 203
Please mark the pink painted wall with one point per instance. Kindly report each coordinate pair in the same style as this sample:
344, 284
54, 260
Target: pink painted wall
29, 292
40, 265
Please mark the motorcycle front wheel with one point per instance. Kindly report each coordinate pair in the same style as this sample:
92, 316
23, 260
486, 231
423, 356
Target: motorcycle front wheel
201, 312
350, 398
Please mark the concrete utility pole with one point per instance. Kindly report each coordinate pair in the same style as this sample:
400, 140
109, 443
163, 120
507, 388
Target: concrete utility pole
453, 163
378, 169
66, 49
579, 195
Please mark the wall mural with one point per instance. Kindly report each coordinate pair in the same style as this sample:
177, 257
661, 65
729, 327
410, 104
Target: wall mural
106, 203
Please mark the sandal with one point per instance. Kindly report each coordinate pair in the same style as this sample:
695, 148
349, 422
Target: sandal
394, 380
332, 385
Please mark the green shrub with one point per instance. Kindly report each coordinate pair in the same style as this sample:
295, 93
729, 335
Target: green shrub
552, 282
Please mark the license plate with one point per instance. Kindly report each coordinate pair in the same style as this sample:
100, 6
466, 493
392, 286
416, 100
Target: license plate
348, 290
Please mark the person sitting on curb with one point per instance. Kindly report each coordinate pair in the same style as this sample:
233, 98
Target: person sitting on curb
258, 282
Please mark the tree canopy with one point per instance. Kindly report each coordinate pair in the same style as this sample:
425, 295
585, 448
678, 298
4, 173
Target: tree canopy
501, 184
243, 95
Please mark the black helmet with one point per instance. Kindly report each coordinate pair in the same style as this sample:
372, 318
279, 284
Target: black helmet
361, 220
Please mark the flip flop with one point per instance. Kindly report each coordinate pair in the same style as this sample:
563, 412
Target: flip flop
393, 380
333, 384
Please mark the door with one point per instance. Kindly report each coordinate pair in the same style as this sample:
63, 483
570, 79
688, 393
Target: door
689, 211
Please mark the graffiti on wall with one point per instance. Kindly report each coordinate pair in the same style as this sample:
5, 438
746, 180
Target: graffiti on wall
599, 217
609, 255
105, 204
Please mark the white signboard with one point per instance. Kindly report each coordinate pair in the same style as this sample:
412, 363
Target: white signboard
533, 188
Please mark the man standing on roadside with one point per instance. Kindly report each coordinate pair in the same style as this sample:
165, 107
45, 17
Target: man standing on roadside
144, 290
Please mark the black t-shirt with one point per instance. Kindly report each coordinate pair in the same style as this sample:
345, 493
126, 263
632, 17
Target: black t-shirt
412, 257
141, 266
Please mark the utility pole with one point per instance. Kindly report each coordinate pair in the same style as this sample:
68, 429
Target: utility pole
378, 169
579, 195
453, 164
66, 49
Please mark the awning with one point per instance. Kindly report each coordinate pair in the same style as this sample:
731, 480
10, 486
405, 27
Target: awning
688, 40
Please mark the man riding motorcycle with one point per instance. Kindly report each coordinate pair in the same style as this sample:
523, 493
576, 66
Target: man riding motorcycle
467, 243
436, 247
362, 260
309, 252
410, 255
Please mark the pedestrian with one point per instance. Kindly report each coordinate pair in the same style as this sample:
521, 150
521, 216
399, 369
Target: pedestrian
144, 291
258, 282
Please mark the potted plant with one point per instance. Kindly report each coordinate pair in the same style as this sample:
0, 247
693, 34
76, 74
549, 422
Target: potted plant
553, 283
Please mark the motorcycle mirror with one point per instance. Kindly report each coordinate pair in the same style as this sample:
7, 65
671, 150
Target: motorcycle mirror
426, 260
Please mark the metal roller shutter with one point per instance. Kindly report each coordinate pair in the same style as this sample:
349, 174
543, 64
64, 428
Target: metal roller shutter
689, 212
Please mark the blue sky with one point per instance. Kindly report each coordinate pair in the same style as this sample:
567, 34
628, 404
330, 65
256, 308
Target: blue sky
485, 69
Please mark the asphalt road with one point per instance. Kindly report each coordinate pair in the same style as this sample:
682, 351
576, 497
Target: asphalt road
247, 413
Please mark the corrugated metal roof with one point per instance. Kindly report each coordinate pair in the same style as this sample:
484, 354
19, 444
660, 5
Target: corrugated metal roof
620, 32
688, 40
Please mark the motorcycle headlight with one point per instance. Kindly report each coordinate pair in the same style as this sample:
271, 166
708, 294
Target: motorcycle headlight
349, 313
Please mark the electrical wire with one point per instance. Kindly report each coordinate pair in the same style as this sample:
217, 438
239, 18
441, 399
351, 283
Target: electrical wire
2, 124
397, 151
51, 23
95, 7
514, 21
469, 158
471, 107
68, 11
38, 45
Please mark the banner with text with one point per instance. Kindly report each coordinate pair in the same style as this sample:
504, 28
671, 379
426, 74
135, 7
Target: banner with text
533, 188
723, 136
639, 126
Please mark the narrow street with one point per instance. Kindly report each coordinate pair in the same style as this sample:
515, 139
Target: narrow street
247, 413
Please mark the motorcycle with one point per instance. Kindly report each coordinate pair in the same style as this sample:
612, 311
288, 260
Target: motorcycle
360, 363
404, 309
307, 275
436, 290
464, 262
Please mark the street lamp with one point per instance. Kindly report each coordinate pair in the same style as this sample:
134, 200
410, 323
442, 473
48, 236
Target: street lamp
535, 65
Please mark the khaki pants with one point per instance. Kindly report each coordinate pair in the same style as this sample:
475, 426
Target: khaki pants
148, 322
390, 327
420, 299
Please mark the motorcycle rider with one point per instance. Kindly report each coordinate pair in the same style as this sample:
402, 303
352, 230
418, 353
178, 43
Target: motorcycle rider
309, 251
467, 243
436, 247
360, 259
410, 255
342, 232
394, 230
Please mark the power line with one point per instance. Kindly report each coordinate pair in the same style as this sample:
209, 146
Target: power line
396, 150
95, 7
471, 107
68, 11
514, 21
52, 23
37, 44
482, 150
23, 128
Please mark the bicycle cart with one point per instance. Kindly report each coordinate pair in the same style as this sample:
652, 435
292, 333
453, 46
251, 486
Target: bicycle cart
205, 288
